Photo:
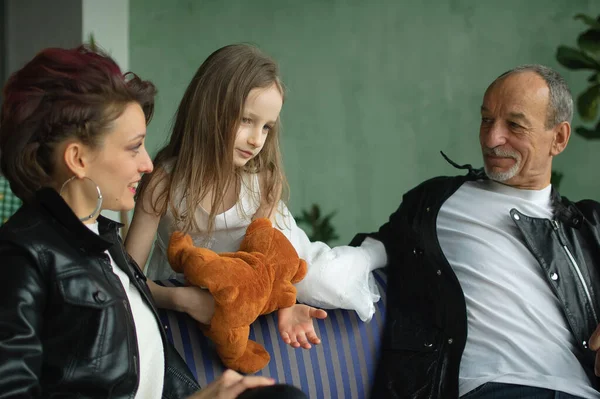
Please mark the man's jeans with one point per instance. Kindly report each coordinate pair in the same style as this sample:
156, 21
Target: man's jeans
494, 390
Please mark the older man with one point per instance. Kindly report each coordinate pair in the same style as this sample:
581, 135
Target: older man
494, 278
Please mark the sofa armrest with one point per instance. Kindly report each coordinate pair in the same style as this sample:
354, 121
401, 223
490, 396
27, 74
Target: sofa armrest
343, 366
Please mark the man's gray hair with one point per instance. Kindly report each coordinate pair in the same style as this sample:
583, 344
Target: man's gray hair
560, 106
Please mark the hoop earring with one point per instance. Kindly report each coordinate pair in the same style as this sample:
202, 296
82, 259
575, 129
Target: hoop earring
98, 201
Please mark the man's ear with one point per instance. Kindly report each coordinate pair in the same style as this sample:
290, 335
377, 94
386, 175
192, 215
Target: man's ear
562, 133
75, 158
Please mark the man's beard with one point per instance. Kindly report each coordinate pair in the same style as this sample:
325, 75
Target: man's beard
506, 175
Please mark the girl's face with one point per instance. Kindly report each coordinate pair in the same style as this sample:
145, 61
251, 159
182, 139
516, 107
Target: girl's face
261, 110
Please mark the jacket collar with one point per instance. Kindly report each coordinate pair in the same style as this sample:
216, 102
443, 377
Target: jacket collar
51, 203
563, 209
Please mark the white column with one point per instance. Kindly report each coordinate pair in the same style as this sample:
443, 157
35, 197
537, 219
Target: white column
108, 21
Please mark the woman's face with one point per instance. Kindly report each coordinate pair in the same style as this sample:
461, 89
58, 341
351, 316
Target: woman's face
118, 163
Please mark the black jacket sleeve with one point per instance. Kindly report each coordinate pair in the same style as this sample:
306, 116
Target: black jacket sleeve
22, 302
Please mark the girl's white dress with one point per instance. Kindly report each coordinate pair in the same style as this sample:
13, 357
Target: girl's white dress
337, 278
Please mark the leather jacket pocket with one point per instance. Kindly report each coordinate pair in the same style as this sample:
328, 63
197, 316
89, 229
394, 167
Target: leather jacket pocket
94, 323
81, 290
412, 362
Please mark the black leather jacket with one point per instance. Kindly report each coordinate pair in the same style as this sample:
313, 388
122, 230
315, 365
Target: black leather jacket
66, 329
426, 327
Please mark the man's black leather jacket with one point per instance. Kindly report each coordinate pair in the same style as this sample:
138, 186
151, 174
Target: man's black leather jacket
66, 329
426, 322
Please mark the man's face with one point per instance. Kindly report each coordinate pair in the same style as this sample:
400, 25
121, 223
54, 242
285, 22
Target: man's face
516, 145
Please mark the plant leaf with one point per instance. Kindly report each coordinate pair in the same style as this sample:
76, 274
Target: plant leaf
589, 41
92, 43
591, 22
316, 211
575, 59
588, 133
321, 227
587, 103
594, 77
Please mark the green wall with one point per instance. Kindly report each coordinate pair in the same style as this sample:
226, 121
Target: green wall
375, 89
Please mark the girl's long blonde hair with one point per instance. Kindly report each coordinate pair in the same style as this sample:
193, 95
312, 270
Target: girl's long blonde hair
199, 155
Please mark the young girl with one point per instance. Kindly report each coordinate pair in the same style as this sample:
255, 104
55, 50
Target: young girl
222, 168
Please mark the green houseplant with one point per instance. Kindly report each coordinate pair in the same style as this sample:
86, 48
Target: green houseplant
320, 225
586, 57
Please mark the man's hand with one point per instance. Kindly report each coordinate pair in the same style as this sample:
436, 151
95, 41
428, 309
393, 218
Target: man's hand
296, 325
230, 385
594, 345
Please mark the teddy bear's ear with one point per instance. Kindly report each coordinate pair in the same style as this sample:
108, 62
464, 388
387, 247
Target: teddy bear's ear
178, 243
261, 223
226, 295
260, 236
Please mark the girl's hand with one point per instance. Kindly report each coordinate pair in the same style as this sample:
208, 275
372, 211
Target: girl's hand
296, 325
196, 302
265, 211
230, 385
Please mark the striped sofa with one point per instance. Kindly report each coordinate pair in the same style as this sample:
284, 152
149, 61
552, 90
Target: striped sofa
343, 366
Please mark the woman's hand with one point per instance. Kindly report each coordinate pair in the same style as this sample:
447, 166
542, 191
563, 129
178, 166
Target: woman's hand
296, 325
230, 385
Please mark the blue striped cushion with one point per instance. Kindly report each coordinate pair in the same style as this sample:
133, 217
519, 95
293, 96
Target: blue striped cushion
343, 366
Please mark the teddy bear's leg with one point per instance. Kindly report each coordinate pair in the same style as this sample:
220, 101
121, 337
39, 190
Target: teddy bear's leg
238, 352
255, 358
283, 296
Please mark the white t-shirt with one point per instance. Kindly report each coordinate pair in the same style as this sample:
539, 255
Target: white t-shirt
150, 346
517, 332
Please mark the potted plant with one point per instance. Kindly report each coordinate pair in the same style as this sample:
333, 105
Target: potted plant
586, 57
320, 225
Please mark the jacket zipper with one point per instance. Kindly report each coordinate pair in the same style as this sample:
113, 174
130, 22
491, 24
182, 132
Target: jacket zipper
577, 270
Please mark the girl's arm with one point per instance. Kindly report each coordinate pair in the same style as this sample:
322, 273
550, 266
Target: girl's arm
268, 206
194, 301
144, 225
141, 234
296, 322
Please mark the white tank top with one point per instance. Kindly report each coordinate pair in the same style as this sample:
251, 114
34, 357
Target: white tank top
229, 229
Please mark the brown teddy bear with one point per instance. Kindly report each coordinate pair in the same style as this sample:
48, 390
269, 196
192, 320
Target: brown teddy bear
254, 281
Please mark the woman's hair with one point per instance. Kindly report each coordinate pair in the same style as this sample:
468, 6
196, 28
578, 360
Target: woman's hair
61, 94
199, 155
